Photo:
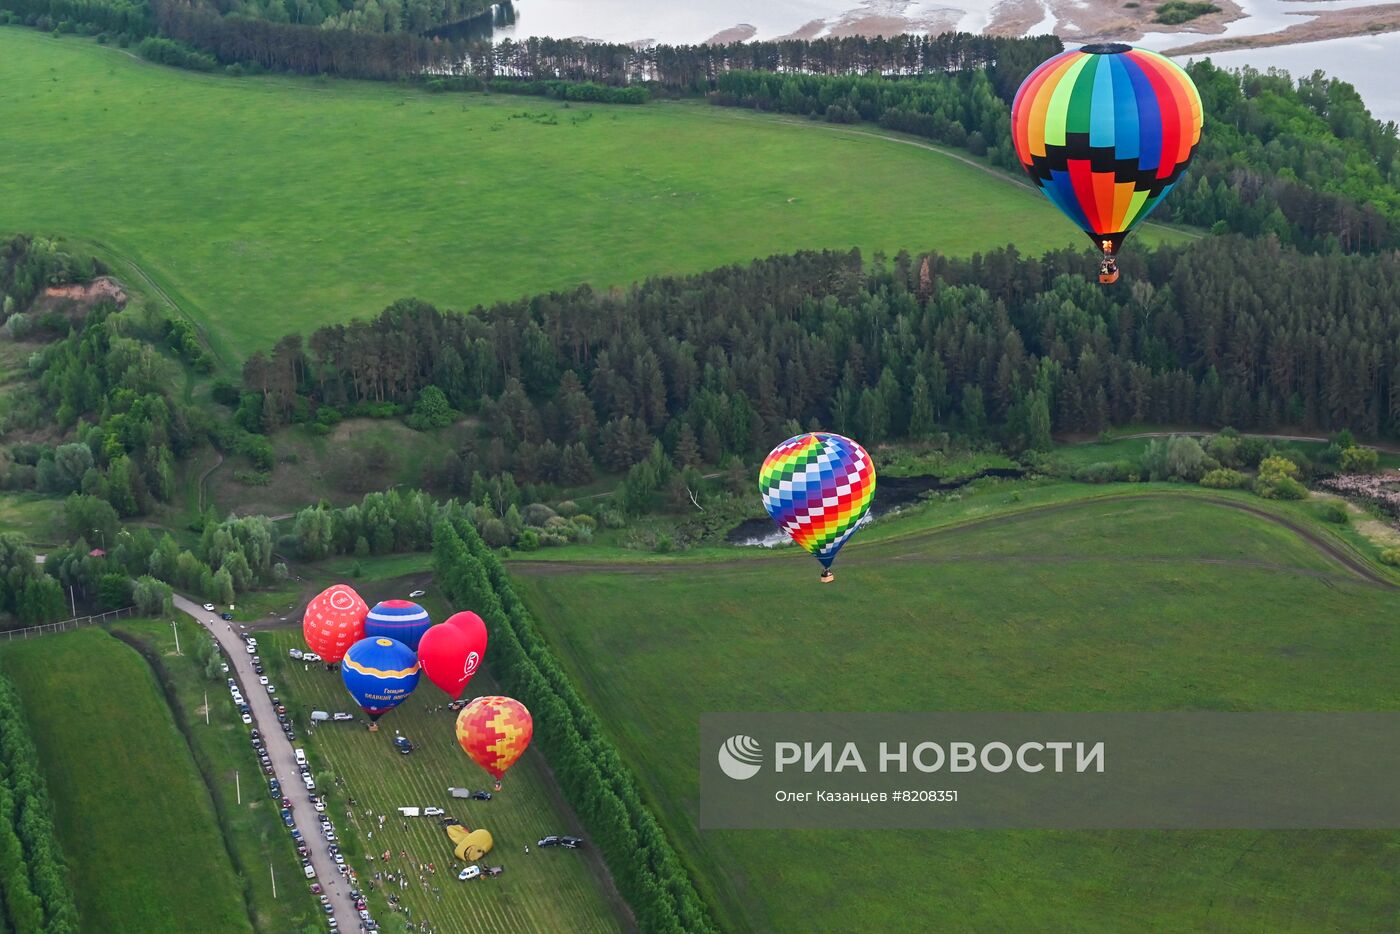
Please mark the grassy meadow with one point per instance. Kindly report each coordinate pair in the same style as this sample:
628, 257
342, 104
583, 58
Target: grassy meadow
1158, 603
265, 205
132, 813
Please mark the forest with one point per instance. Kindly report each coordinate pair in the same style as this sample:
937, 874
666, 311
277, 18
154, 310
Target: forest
1224, 331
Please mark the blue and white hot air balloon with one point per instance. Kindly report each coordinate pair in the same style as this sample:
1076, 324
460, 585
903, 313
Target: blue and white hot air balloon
403, 620
379, 673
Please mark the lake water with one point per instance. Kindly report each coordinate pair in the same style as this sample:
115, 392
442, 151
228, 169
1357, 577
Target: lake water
1367, 62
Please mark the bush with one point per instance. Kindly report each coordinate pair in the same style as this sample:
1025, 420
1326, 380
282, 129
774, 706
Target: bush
1283, 488
1105, 472
1332, 512
1359, 460
1223, 478
177, 55
1391, 556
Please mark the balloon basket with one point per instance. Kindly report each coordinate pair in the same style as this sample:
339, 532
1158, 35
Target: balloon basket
827, 577
1108, 278
374, 728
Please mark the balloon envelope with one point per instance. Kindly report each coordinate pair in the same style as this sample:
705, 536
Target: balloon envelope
817, 487
1105, 132
451, 654
334, 620
468, 621
495, 732
379, 673
403, 620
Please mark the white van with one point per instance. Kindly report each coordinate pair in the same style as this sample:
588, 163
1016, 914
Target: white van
301, 756
471, 872
310, 872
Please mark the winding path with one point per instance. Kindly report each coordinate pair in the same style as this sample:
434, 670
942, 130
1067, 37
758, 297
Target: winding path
1356, 567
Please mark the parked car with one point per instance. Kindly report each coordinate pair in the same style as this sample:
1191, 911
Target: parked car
572, 843
480, 796
209, 607
551, 840
248, 719
263, 680
310, 657
295, 653
226, 617
471, 872
433, 812
494, 870
416, 594
341, 717
252, 649
271, 689
223, 666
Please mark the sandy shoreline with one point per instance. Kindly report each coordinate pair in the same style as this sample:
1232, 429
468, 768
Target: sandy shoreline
1329, 24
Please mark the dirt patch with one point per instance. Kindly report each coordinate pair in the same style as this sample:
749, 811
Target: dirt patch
1329, 24
741, 32
1015, 18
81, 296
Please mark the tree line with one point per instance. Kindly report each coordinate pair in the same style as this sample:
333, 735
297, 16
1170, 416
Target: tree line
33, 875
595, 780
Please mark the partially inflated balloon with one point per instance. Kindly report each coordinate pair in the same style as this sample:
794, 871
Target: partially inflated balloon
334, 620
379, 673
1106, 131
495, 732
403, 620
451, 654
817, 487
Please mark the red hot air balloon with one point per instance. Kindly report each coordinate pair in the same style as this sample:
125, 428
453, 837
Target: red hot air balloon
334, 621
451, 652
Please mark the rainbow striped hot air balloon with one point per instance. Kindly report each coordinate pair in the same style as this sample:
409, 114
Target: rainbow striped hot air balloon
403, 620
379, 673
495, 731
817, 487
1106, 131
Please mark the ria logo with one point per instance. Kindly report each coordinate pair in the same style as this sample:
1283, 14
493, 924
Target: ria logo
469, 668
740, 757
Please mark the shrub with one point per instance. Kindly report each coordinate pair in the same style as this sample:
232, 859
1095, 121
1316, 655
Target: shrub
1391, 556
1359, 460
1223, 478
169, 52
1332, 512
1104, 472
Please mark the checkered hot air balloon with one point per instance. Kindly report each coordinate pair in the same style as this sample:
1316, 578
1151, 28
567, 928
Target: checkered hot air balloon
403, 620
495, 732
818, 487
334, 620
1106, 132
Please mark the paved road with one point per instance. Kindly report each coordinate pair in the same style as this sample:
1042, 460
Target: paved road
284, 766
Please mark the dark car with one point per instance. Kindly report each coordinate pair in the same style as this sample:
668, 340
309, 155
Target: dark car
551, 840
572, 843
493, 870
274, 786
480, 796
226, 617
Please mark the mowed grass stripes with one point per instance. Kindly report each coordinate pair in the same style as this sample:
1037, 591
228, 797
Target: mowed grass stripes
546, 890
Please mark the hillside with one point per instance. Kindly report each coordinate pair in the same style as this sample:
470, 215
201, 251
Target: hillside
262, 204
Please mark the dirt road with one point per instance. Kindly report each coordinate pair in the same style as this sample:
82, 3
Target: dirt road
1354, 565
284, 764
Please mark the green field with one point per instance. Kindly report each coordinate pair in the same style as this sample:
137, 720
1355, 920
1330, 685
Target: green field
262, 848
547, 890
1163, 601
272, 204
132, 813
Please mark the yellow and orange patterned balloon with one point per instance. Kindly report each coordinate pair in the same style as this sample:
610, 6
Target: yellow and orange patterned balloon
494, 731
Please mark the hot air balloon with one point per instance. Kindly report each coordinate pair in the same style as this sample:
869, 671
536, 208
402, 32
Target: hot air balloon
334, 620
817, 487
403, 620
451, 652
495, 732
379, 673
1106, 131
